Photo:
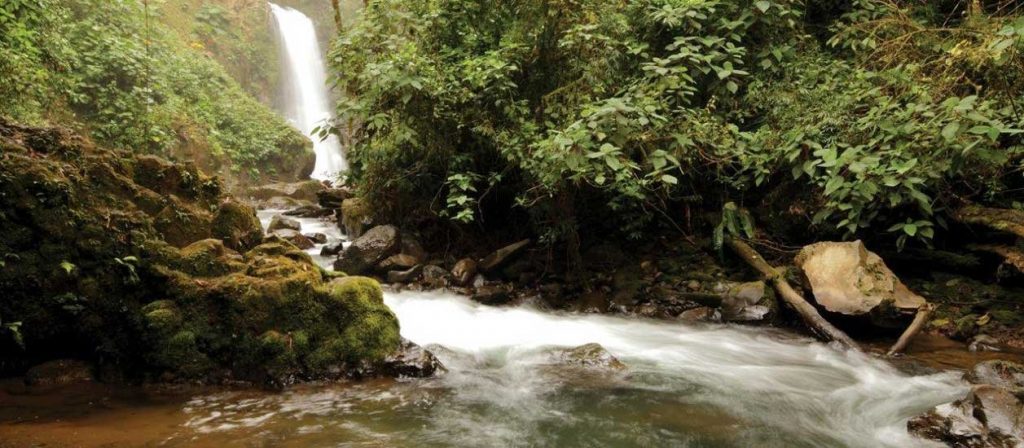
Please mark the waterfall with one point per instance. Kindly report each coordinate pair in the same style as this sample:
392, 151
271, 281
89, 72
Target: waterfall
306, 77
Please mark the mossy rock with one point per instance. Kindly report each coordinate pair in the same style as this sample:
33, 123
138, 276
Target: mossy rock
237, 225
356, 215
181, 225
92, 236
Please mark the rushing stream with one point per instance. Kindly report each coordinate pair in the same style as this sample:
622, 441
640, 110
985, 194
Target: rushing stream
306, 87
684, 385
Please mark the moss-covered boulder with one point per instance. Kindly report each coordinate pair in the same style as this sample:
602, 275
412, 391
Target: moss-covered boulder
237, 225
146, 265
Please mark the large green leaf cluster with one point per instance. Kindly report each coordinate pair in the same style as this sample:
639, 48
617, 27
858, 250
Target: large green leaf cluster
881, 115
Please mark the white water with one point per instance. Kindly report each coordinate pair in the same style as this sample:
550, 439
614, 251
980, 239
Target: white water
685, 385
307, 76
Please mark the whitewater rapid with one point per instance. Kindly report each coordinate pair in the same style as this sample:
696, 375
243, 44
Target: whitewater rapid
685, 384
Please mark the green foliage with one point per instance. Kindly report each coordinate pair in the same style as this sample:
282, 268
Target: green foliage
638, 105
131, 82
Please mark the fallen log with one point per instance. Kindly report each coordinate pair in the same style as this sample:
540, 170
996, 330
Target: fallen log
915, 327
1000, 219
808, 313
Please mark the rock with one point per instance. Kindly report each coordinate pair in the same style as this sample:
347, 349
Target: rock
398, 262
237, 225
626, 286
984, 343
407, 276
748, 302
61, 372
281, 222
589, 355
317, 238
693, 285
310, 211
701, 314
296, 238
368, 250
848, 279
412, 247
500, 256
988, 417
331, 250
592, 302
331, 198
492, 295
464, 271
356, 215
182, 225
281, 203
479, 281
303, 190
1005, 374
411, 361
435, 276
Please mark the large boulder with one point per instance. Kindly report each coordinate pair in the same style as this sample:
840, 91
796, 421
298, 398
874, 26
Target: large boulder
368, 250
281, 222
332, 198
988, 416
237, 225
848, 279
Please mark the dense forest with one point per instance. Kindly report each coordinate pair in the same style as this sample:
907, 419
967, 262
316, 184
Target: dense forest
512, 223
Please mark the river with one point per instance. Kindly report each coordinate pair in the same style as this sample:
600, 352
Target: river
684, 385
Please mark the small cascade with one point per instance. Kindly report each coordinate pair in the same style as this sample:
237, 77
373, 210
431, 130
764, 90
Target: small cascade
308, 99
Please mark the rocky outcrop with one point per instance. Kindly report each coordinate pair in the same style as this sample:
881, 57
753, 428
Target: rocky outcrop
367, 251
92, 259
988, 417
848, 279
991, 415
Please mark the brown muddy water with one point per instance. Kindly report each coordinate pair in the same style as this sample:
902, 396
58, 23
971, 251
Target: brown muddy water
684, 385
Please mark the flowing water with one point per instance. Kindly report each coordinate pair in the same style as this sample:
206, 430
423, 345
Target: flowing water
308, 97
685, 385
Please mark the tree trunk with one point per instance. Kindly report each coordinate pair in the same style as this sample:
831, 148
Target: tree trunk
808, 313
337, 13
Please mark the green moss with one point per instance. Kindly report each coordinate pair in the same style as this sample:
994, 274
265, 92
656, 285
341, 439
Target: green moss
238, 226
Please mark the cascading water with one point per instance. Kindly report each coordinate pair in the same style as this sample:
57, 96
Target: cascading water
306, 75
